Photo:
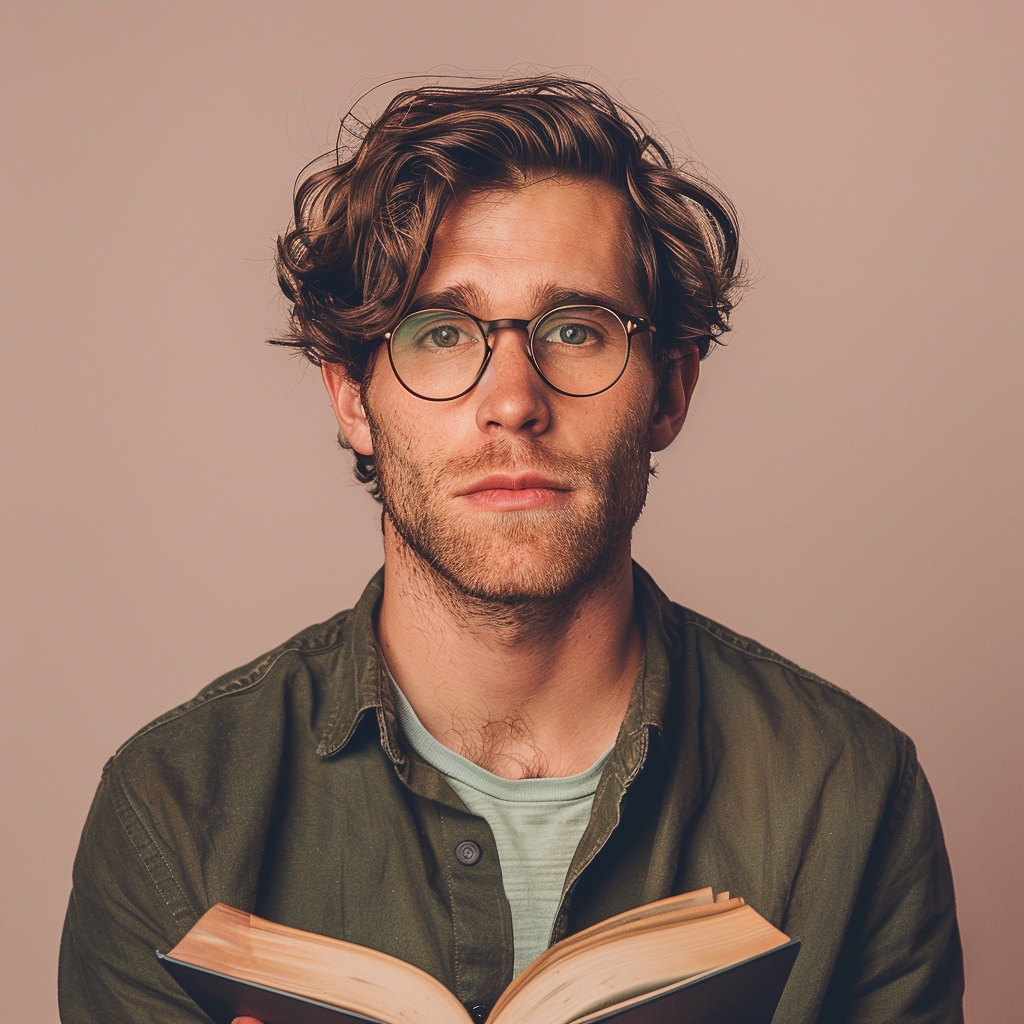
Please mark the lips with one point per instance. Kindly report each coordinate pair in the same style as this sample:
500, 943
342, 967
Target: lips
510, 492
517, 482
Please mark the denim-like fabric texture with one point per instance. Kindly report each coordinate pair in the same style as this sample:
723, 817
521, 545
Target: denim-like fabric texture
283, 789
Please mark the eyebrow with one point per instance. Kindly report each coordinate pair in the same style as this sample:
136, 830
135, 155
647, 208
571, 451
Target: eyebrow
469, 299
463, 297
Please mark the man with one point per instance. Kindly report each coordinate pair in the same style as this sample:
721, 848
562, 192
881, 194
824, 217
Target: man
514, 734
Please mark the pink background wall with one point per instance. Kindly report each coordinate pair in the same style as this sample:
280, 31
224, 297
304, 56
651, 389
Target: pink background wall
848, 489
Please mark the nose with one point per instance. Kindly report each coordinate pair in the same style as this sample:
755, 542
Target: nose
511, 397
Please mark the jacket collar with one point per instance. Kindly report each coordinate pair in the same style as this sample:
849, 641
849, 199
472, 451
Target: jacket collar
357, 683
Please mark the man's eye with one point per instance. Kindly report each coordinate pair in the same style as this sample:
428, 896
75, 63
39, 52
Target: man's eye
445, 336
572, 334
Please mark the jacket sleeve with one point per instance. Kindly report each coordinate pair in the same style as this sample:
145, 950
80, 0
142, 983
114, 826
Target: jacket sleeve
901, 958
124, 906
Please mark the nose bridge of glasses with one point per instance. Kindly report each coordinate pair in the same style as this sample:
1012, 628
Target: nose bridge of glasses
505, 324
497, 327
493, 327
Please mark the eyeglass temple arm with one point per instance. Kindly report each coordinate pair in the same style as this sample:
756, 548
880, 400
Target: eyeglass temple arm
637, 324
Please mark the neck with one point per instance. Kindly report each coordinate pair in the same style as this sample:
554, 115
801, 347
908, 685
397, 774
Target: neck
525, 690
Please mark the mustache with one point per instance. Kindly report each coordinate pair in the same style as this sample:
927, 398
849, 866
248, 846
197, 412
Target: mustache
506, 455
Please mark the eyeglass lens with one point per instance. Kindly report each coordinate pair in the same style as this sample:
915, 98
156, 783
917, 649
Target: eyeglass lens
579, 350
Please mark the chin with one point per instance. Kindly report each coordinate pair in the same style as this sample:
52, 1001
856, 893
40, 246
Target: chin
520, 560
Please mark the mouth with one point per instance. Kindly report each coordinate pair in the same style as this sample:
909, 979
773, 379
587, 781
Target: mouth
510, 492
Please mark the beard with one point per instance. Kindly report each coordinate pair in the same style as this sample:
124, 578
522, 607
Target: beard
521, 557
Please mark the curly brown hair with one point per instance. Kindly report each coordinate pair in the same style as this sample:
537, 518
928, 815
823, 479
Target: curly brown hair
363, 226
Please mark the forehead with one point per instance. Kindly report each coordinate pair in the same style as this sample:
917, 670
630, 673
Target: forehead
506, 251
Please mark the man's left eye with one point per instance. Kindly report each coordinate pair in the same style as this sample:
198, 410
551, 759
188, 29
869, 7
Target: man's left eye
572, 334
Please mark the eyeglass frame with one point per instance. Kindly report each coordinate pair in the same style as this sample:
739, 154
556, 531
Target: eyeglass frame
630, 324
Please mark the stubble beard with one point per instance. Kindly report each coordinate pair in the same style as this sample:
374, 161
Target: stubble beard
544, 558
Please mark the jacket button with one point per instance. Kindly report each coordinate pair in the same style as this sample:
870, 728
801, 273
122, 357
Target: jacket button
478, 1012
468, 853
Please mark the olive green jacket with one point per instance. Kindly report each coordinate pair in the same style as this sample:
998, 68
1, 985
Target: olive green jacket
284, 789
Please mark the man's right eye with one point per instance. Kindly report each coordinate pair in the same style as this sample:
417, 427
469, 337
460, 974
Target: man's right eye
445, 336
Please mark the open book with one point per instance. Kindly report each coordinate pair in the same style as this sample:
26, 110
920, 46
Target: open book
689, 959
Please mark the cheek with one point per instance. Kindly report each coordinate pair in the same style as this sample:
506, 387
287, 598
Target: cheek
410, 438
388, 409
626, 411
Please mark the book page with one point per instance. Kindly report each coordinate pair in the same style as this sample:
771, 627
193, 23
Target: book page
342, 974
605, 973
645, 918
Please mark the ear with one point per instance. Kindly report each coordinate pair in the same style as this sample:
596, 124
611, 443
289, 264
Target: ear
673, 399
348, 407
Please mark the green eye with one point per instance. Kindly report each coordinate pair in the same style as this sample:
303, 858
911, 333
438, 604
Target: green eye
572, 334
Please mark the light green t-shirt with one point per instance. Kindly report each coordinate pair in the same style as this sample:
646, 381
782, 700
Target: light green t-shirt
537, 825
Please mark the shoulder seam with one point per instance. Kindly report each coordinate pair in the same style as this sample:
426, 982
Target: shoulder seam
751, 648
229, 686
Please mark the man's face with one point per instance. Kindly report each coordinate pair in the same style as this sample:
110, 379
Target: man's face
514, 491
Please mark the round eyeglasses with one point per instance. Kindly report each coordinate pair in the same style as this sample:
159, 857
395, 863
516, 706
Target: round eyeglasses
579, 351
